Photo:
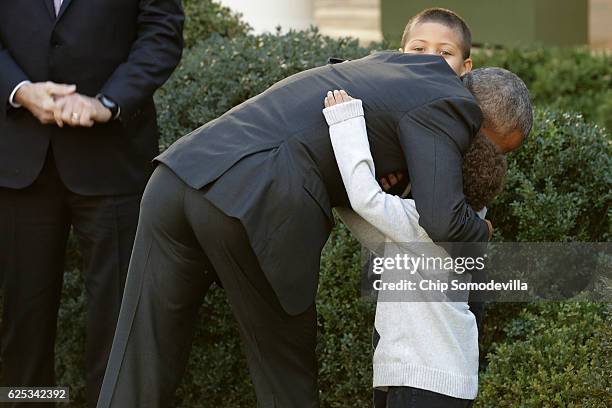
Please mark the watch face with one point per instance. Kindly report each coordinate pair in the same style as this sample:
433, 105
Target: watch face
110, 105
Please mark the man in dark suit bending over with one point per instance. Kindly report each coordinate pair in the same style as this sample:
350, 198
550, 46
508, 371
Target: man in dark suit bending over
247, 199
74, 155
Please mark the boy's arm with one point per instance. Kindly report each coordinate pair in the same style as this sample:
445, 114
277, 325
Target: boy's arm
367, 234
395, 218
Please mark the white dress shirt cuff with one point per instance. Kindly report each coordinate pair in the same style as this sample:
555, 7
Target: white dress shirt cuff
482, 213
12, 96
343, 111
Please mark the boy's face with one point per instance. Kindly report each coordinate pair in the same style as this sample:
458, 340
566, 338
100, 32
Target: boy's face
435, 38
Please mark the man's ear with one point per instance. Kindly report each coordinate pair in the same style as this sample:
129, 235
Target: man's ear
467, 66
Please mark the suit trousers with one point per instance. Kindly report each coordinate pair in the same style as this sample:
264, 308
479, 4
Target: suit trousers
34, 227
183, 243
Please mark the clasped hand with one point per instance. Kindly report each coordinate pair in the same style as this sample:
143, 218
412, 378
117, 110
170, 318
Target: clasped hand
61, 104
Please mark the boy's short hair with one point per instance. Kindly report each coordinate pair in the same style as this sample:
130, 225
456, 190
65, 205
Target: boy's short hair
447, 18
484, 168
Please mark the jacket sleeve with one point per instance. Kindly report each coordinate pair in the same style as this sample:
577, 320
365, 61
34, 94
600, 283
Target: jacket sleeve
433, 139
10, 76
154, 55
396, 218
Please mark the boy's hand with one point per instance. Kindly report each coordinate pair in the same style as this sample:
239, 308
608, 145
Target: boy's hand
336, 97
390, 180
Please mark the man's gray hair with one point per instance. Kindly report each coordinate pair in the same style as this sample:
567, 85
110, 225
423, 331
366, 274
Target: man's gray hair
503, 98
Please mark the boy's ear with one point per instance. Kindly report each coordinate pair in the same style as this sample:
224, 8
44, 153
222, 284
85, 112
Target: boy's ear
467, 66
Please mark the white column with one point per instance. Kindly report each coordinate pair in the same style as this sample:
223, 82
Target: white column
266, 15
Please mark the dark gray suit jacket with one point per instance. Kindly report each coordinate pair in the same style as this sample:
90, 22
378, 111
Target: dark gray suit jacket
269, 161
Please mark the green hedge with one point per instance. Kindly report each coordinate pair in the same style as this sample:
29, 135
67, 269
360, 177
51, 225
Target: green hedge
570, 79
205, 17
556, 190
558, 185
554, 355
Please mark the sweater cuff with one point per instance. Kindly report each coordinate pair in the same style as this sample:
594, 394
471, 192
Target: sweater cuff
343, 111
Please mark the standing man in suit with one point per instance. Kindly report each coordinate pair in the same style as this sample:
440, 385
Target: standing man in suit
247, 198
77, 134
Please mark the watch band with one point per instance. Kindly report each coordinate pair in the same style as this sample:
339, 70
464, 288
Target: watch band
110, 105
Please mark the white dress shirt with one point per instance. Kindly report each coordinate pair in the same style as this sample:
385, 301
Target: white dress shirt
58, 5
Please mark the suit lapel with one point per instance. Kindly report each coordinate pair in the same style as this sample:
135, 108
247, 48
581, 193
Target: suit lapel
50, 8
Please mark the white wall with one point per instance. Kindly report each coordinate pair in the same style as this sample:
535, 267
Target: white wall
349, 18
266, 15
600, 24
